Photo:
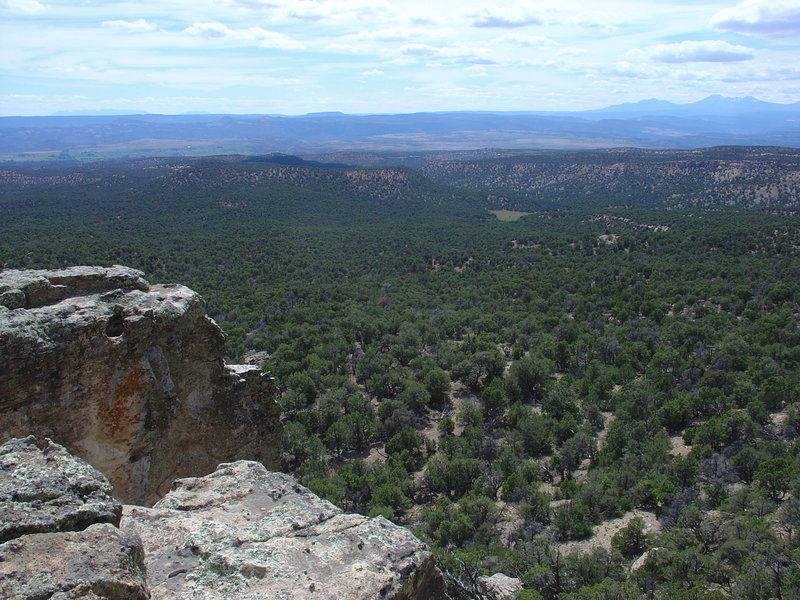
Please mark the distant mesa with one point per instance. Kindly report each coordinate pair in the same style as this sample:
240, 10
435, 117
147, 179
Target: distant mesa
332, 113
713, 121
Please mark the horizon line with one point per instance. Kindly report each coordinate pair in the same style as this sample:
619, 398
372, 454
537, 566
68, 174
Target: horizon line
110, 112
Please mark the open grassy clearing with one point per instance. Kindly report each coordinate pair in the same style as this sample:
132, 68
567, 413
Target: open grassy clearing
509, 215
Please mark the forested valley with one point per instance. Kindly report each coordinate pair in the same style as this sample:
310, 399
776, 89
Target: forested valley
594, 389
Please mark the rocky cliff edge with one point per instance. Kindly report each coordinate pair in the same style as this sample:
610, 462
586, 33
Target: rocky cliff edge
128, 376
241, 532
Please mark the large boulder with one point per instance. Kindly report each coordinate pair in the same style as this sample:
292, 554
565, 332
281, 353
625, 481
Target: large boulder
500, 586
244, 532
129, 376
58, 525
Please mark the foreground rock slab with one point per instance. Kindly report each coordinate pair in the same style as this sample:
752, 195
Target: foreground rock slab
129, 376
44, 489
98, 562
243, 532
59, 530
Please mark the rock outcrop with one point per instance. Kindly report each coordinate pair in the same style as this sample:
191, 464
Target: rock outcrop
245, 533
128, 376
240, 533
59, 529
500, 586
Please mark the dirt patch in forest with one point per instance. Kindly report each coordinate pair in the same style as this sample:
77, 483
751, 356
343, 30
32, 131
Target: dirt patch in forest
601, 435
603, 532
460, 397
376, 454
510, 522
678, 447
608, 239
779, 417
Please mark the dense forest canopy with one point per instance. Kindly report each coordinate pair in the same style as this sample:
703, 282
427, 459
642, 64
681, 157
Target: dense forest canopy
554, 397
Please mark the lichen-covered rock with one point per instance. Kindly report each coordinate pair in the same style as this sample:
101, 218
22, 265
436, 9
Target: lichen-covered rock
99, 562
58, 525
245, 533
33, 289
128, 376
45, 489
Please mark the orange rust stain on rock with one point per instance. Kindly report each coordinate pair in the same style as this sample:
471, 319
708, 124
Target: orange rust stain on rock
118, 415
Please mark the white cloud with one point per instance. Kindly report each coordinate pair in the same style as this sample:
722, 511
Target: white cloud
739, 73
705, 51
422, 50
250, 36
397, 34
175, 45
491, 15
139, 25
256, 4
25, 7
570, 51
531, 41
593, 20
307, 11
521, 14
634, 71
766, 73
771, 18
320, 10
210, 30
446, 54
339, 48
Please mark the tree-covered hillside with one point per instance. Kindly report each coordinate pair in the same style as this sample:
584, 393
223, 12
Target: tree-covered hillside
603, 402
758, 178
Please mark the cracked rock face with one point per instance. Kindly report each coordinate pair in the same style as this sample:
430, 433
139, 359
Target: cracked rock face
128, 376
58, 528
245, 533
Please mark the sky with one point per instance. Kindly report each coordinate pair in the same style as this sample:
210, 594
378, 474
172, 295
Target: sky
389, 56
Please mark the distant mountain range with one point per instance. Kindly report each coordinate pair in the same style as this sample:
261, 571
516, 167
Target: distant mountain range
715, 105
714, 121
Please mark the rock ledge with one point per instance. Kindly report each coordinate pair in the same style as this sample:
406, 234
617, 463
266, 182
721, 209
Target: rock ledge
245, 532
128, 376
240, 533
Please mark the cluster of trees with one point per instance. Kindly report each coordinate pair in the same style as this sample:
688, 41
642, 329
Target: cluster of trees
502, 388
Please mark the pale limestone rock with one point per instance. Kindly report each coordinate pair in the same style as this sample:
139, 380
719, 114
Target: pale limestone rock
640, 562
500, 585
128, 376
246, 533
58, 528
